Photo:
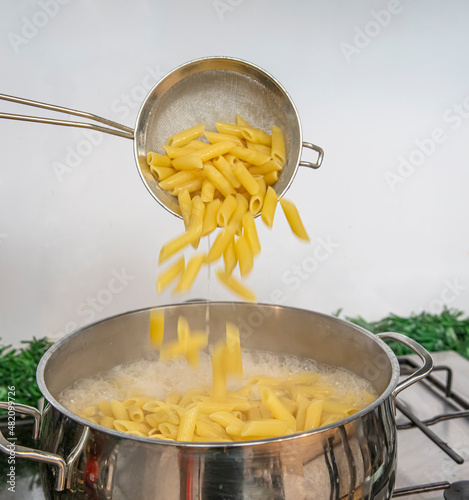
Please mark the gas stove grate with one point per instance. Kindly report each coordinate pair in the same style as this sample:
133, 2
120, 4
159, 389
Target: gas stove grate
445, 391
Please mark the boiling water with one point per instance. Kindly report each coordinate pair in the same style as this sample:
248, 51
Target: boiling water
154, 378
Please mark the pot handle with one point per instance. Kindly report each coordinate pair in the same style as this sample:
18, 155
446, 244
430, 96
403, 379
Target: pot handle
422, 353
318, 150
11, 449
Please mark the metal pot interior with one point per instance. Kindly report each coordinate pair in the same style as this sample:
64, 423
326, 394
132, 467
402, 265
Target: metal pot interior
125, 338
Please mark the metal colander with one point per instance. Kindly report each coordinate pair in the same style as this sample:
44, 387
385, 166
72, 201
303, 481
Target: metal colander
207, 90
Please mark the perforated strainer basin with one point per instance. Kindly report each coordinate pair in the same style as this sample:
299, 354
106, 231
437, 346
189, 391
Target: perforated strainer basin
213, 90
207, 91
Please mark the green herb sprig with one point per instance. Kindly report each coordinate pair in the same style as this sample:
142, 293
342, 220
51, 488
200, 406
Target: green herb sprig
436, 332
18, 368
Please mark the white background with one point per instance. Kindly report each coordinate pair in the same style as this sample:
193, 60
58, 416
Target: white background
368, 85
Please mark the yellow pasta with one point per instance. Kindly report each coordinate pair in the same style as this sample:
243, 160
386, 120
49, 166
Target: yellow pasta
256, 135
184, 137
278, 410
226, 211
196, 222
168, 276
219, 181
190, 273
222, 183
313, 414
210, 217
219, 245
213, 150
244, 256
245, 178
207, 192
265, 168
241, 121
229, 257
187, 425
119, 411
158, 160
271, 178
188, 162
257, 200
269, 206
252, 156
294, 219
250, 232
278, 146
234, 363
185, 204
157, 325
235, 286
162, 173
223, 165
214, 137
265, 428
242, 206
177, 244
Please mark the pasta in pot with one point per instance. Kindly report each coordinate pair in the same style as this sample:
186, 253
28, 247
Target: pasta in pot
157, 399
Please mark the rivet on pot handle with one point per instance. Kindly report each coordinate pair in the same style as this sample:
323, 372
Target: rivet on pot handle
318, 150
422, 353
12, 449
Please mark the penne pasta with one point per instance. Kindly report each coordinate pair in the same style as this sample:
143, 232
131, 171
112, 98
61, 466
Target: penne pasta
244, 256
278, 146
224, 165
210, 217
257, 200
245, 178
162, 173
214, 137
294, 219
269, 206
207, 192
188, 162
235, 286
219, 245
242, 206
185, 136
177, 244
250, 233
185, 204
168, 276
226, 210
252, 156
229, 257
219, 181
190, 273
158, 160
157, 325
271, 178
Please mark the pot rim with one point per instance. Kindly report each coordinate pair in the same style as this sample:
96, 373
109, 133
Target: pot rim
62, 409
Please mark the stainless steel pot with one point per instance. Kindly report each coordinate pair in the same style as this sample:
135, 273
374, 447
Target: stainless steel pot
355, 458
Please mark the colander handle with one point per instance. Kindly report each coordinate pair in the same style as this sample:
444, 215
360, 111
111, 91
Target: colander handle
117, 128
318, 150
